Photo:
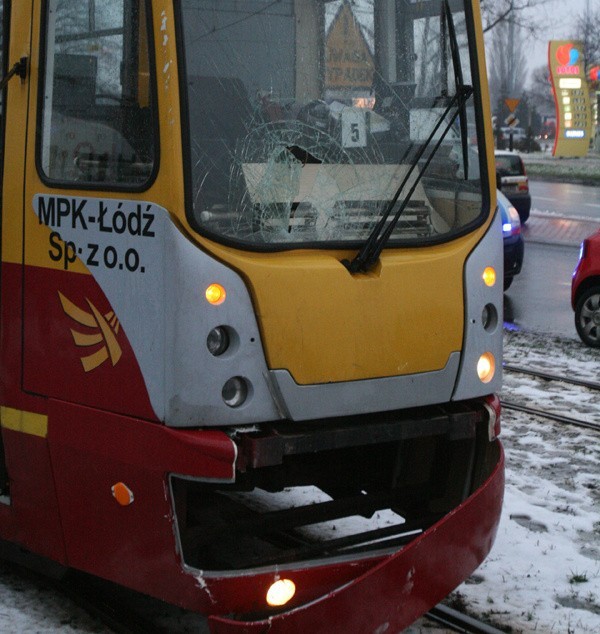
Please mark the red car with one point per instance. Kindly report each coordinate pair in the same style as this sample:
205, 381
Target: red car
585, 291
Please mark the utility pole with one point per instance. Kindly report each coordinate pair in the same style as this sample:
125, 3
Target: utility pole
511, 55
512, 66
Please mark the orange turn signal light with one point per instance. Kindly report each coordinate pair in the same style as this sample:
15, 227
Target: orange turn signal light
215, 294
489, 276
122, 493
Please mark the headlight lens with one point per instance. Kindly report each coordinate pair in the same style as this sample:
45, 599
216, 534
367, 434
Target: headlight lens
217, 341
486, 367
235, 391
281, 592
489, 317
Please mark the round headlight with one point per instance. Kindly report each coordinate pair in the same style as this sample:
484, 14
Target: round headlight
486, 367
281, 592
489, 317
235, 391
217, 341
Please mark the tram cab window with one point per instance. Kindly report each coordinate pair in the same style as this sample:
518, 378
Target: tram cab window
98, 106
306, 115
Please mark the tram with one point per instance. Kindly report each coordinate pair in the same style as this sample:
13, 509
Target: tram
250, 303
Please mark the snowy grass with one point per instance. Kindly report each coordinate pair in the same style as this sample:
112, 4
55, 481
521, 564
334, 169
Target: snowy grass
543, 574
544, 166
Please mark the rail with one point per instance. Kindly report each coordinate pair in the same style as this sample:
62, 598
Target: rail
535, 411
459, 622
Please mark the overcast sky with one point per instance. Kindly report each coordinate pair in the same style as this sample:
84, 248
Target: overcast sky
558, 17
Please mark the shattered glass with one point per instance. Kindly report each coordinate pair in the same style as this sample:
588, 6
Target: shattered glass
305, 116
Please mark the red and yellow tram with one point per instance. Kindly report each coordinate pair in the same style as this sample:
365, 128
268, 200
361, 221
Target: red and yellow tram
250, 303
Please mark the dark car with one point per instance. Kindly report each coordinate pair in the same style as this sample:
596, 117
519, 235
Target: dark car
512, 181
585, 291
513, 239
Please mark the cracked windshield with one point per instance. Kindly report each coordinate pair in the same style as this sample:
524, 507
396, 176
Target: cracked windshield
308, 117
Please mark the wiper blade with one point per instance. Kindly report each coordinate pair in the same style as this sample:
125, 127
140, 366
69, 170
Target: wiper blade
371, 250
459, 83
19, 69
376, 241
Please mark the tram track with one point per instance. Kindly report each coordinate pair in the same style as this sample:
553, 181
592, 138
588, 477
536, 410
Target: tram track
546, 376
459, 622
559, 418
536, 411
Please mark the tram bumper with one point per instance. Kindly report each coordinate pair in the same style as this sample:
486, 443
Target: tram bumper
395, 590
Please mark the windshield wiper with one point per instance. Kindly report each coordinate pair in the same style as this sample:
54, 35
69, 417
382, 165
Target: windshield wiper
371, 250
19, 69
376, 241
460, 84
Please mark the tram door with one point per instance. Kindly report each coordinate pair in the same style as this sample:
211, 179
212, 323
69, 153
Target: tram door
15, 55
4, 18
91, 160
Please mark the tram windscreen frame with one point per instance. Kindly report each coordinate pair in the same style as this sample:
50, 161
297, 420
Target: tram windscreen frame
304, 116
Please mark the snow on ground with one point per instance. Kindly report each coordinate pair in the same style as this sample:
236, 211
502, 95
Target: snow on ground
585, 169
543, 574
27, 607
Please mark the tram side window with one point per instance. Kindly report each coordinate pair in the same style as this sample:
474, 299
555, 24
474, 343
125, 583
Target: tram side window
98, 111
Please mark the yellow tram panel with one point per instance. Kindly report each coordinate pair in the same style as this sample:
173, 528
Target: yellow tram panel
339, 327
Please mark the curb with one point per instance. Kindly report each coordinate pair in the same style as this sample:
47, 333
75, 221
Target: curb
558, 230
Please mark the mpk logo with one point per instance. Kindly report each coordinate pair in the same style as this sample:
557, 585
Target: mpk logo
103, 331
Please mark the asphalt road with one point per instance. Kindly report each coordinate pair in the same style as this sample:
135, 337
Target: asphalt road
565, 198
539, 299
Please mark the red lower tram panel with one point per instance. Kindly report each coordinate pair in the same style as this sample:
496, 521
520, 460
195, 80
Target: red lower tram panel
373, 520
398, 589
373, 529
389, 592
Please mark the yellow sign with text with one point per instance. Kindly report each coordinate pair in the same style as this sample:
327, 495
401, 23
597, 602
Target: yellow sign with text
572, 98
349, 62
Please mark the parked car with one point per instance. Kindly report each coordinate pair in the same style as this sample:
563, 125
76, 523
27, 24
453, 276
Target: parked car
518, 134
585, 291
511, 179
513, 239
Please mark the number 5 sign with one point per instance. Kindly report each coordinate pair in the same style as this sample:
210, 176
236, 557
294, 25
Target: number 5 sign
354, 127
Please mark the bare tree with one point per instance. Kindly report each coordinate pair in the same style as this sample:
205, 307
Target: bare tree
540, 90
507, 64
587, 30
495, 13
